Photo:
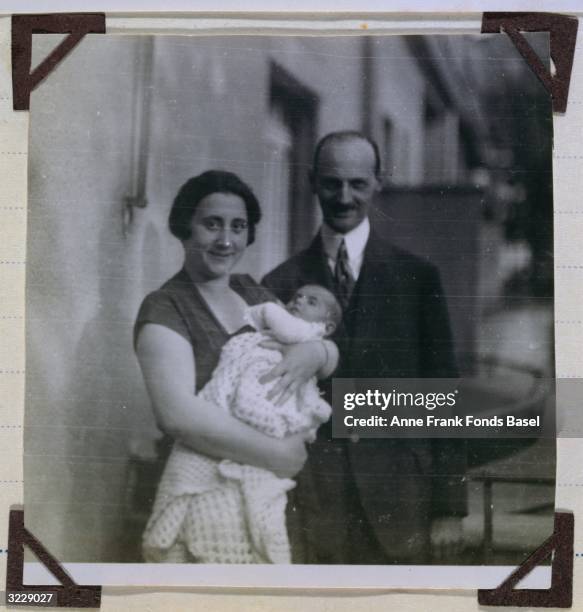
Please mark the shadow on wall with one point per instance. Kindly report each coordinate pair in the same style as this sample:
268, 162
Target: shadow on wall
106, 379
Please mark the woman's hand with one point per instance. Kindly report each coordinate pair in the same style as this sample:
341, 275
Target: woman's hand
291, 454
300, 362
169, 372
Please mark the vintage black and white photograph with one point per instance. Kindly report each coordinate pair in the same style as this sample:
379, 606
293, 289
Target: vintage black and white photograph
219, 227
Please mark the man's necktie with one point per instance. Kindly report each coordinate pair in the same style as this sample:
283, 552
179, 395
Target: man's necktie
343, 276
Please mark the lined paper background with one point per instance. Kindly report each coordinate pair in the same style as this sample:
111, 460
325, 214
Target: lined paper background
568, 219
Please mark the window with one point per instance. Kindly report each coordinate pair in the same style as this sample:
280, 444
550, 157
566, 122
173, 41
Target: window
291, 135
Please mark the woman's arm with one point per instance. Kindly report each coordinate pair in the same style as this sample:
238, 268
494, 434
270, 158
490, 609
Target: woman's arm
300, 362
168, 368
331, 360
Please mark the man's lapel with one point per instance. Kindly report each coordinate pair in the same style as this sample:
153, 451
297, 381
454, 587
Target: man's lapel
371, 297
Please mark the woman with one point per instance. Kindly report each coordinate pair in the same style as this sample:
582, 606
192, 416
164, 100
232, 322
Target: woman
182, 327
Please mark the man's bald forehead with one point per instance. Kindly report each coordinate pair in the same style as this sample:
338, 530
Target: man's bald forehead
346, 137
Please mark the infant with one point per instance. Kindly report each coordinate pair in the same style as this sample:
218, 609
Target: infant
214, 511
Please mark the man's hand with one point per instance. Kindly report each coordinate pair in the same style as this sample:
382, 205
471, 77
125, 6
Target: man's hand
446, 537
300, 362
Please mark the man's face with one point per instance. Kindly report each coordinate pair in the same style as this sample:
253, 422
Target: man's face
345, 182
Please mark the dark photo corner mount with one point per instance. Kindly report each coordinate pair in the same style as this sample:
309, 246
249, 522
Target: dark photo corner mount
560, 595
563, 35
76, 25
67, 595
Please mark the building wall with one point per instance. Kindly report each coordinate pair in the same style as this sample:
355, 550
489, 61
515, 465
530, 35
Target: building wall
399, 97
210, 111
83, 386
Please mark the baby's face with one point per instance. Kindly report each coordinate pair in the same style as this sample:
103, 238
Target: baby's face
310, 303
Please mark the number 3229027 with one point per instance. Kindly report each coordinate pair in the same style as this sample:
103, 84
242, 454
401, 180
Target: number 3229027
28, 598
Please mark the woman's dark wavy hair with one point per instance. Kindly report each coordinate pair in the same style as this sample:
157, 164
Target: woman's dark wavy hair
198, 187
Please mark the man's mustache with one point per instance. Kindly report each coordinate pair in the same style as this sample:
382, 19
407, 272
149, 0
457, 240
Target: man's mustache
342, 206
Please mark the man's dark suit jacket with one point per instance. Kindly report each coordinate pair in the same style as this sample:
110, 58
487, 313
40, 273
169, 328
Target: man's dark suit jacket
396, 325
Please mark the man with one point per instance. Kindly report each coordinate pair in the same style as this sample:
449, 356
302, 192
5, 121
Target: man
383, 500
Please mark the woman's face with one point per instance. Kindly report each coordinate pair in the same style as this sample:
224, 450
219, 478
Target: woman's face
218, 235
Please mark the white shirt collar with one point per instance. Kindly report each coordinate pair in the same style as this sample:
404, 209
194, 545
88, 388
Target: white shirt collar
355, 241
